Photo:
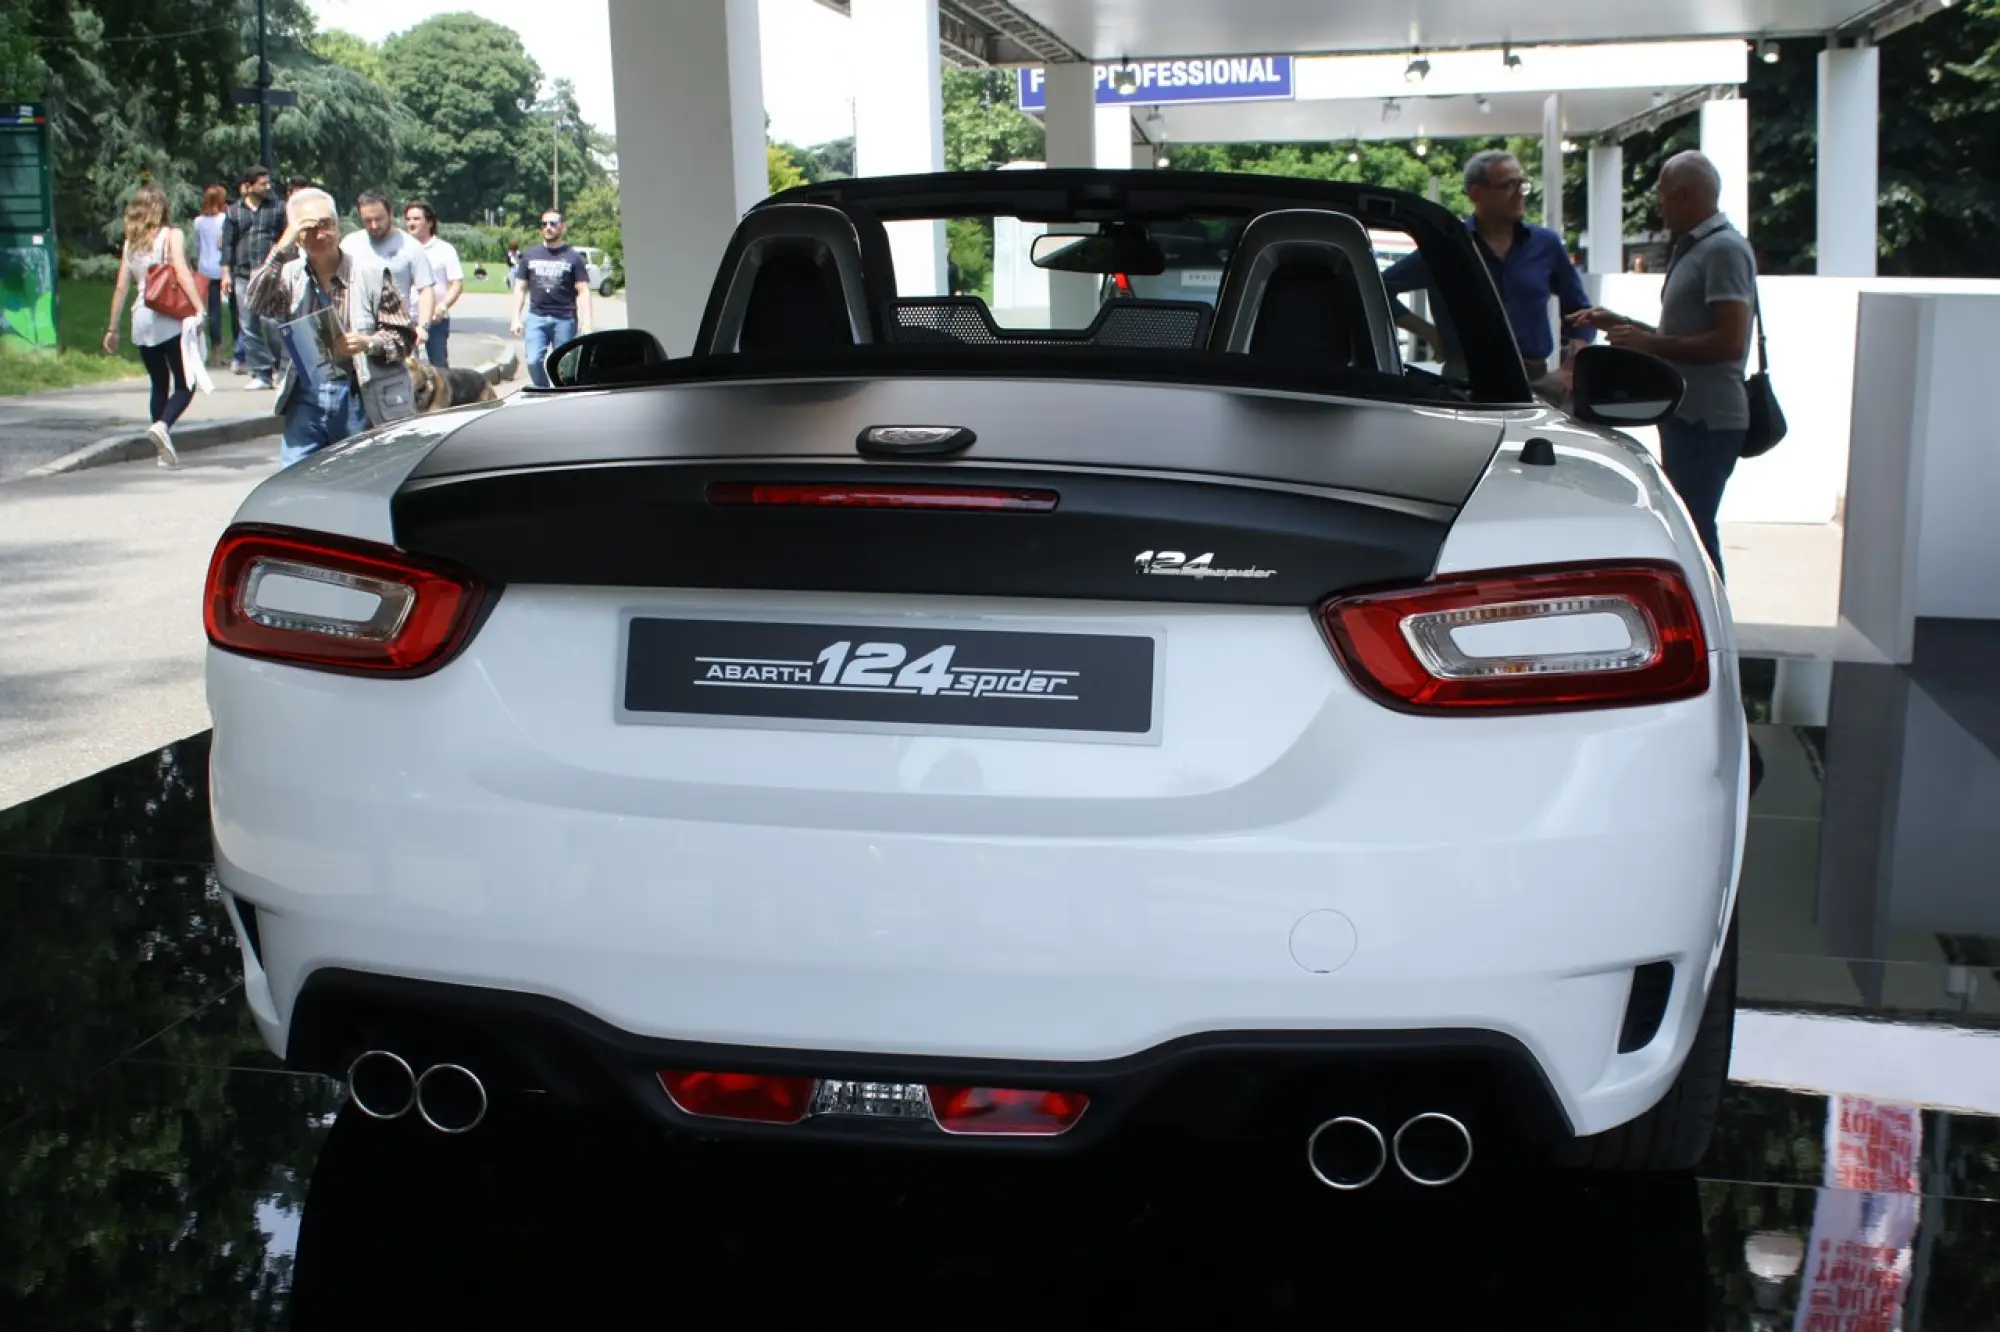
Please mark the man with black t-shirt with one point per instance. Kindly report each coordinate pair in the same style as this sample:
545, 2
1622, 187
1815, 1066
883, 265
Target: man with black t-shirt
553, 283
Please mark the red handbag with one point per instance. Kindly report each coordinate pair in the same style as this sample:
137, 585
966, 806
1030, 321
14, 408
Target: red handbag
164, 293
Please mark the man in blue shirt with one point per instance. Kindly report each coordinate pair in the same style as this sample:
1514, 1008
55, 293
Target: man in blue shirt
1529, 263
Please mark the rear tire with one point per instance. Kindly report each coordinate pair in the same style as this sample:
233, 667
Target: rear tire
1674, 1135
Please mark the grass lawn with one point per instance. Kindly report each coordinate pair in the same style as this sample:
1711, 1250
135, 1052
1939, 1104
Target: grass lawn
80, 311
494, 284
23, 371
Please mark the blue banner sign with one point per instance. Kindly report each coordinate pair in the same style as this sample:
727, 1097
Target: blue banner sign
1160, 82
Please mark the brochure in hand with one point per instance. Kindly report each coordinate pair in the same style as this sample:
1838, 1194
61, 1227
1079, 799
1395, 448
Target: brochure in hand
311, 340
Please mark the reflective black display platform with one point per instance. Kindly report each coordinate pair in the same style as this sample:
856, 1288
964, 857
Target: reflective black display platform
160, 1169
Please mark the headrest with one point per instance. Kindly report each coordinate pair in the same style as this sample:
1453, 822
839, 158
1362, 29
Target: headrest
1315, 270
793, 277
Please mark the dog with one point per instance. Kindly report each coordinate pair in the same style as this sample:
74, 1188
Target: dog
454, 386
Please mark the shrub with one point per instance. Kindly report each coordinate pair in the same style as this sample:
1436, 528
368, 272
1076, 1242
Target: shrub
475, 244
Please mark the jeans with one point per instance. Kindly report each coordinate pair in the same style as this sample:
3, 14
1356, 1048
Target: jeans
319, 417
171, 394
438, 343
544, 332
1698, 460
253, 343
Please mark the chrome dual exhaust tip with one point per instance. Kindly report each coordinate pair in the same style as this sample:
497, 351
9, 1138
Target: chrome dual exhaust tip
451, 1098
1432, 1149
1349, 1153
448, 1097
381, 1084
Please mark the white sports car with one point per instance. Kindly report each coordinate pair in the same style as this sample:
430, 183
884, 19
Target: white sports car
882, 724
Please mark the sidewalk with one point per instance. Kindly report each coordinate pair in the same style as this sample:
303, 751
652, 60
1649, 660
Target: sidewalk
39, 428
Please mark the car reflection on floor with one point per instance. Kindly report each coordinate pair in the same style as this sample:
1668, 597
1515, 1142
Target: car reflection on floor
159, 1167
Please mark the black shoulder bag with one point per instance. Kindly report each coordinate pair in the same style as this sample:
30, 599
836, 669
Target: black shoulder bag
1767, 419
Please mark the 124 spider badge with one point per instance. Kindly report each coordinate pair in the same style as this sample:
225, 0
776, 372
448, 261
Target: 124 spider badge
1176, 564
901, 677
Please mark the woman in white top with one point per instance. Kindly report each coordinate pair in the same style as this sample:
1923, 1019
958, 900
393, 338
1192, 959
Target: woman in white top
208, 261
149, 241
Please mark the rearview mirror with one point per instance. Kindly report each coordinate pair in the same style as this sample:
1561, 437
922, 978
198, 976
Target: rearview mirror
610, 357
1617, 386
1121, 251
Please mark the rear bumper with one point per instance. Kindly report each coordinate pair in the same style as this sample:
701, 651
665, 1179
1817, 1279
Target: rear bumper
1251, 1084
1373, 878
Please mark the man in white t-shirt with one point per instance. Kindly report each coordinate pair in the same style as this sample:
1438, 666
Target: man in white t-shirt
447, 275
400, 254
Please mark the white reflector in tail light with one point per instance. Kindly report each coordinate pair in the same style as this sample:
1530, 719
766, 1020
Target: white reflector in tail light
334, 603
1526, 640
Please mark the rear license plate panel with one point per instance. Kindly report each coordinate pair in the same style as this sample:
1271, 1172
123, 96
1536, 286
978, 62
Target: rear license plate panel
928, 677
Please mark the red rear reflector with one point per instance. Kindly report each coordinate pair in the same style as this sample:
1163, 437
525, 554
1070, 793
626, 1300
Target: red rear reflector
1120, 281
998, 1110
757, 1097
335, 603
993, 499
1526, 640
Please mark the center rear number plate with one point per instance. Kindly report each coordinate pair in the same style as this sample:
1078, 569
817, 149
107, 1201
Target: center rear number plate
894, 678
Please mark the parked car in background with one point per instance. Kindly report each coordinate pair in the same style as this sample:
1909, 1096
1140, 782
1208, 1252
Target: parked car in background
602, 268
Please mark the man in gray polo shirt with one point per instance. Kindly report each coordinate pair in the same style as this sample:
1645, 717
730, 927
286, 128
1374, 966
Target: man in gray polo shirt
1704, 332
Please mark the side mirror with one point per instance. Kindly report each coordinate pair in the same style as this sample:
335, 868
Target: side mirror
613, 356
1617, 386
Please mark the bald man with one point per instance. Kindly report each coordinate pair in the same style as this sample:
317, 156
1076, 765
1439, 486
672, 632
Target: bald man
1705, 312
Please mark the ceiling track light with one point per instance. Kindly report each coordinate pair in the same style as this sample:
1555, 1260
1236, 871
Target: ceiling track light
1768, 51
1508, 58
1124, 78
1485, 105
1391, 108
1423, 147
1417, 70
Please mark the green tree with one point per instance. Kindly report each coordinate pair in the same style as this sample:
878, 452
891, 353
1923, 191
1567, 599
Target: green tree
357, 53
557, 147
983, 125
781, 169
469, 86
343, 133
833, 160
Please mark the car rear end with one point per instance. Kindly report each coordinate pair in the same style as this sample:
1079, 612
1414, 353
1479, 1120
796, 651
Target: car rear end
700, 754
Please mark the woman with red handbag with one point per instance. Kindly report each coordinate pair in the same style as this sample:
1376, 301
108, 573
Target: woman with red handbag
155, 258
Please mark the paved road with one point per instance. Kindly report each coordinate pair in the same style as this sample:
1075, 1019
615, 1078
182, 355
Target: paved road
101, 573
101, 642
41, 427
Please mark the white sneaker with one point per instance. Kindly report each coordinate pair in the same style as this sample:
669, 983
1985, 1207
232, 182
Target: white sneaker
258, 382
163, 444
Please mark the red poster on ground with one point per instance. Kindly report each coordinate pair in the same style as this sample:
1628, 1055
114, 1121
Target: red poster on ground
1864, 1223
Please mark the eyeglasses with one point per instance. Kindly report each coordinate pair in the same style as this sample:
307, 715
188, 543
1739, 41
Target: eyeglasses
1518, 185
546, 224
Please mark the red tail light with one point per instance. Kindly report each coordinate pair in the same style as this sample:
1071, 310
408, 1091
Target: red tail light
1526, 640
863, 496
1002, 1110
757, 1097
335, 603
1123, 283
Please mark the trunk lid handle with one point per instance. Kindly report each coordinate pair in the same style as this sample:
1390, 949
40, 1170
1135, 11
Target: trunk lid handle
913, 441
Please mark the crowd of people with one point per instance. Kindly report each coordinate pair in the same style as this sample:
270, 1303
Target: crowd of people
328, 324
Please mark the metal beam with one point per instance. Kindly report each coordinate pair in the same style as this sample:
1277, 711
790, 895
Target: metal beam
1672, 109
1001, 18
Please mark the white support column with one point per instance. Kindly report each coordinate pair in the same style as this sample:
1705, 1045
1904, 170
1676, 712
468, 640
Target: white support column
1605, 222
1071, 121
1552, 163
1725, 141
1849, 160
899, 121
693, 68
1111, 138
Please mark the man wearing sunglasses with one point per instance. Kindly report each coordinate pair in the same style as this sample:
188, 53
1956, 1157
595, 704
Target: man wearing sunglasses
553, 284
1529, 263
